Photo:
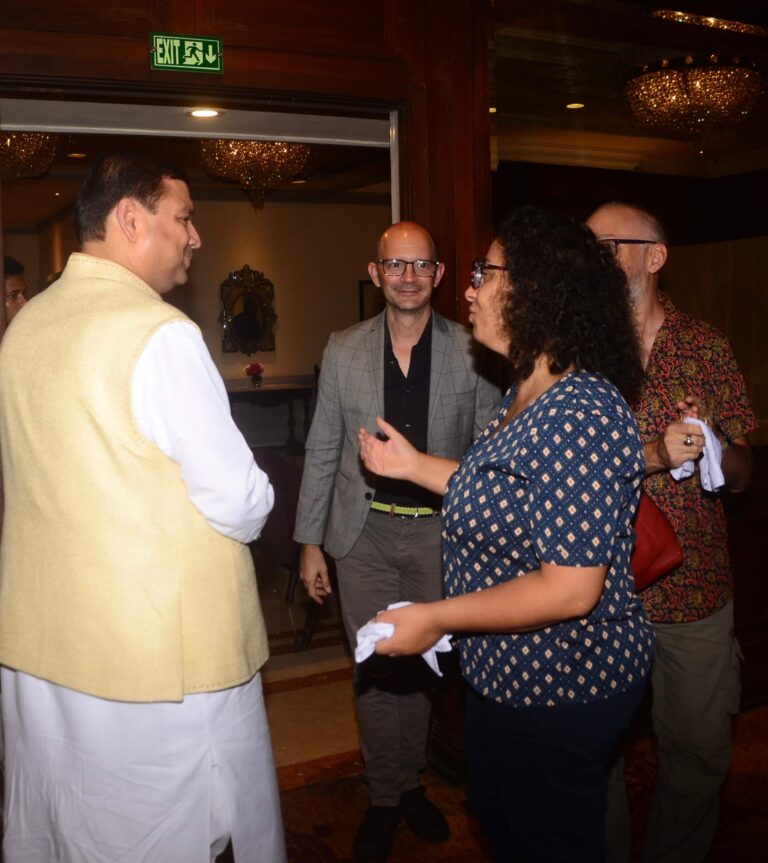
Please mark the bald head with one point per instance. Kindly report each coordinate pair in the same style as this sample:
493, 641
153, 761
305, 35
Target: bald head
406, 235
614, 215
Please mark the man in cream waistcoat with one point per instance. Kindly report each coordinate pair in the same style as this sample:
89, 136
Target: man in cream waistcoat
131, 634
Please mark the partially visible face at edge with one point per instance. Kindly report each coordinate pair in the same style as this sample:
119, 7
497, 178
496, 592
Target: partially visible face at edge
620, 222
15, 295
485, 304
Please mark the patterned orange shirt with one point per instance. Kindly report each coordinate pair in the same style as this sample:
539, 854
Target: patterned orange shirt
690, 357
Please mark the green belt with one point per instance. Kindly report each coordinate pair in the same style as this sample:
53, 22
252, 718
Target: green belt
392, 509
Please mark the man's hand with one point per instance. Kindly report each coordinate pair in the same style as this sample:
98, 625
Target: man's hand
313, 572
670, 450
693, 406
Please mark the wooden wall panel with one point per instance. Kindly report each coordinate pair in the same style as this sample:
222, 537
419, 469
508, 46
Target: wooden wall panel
352, 29
126, 18
447, 134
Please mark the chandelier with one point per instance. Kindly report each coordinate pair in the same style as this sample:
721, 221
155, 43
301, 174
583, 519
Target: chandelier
258, 166
708, 21
690, 96
25, 154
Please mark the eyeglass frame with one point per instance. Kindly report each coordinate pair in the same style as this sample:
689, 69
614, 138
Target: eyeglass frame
384, 261
613, 243
477, 275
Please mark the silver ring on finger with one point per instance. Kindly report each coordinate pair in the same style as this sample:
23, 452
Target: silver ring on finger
688, 440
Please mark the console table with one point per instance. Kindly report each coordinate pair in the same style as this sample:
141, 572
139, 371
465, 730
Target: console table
276, 391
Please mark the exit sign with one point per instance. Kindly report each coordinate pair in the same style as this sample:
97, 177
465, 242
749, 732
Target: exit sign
186, 53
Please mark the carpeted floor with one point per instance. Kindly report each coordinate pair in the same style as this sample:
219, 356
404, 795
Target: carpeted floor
321, 818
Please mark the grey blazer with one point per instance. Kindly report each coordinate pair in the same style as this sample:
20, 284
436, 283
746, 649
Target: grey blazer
336, 491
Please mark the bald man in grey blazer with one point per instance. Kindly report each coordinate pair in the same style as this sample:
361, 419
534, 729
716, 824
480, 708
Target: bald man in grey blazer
418, 371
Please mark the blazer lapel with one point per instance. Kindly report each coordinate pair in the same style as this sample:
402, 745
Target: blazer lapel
375, 364
437, 366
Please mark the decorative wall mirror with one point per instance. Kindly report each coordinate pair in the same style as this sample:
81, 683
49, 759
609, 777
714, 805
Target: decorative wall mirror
247, 315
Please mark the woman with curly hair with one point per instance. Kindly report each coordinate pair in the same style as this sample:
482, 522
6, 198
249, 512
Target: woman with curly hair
537, 538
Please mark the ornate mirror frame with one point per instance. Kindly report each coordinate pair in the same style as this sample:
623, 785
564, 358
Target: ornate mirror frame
247, 315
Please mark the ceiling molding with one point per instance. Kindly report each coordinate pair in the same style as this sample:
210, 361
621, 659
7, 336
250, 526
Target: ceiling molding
173, 121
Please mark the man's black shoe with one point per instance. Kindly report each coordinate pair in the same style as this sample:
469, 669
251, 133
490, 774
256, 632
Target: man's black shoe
375, 835
421, 815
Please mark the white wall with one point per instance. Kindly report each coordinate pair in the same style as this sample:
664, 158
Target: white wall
313, 254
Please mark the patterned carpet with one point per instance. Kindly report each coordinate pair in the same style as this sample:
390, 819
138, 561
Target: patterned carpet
321, 818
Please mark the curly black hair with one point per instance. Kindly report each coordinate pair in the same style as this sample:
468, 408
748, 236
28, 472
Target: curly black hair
568, 300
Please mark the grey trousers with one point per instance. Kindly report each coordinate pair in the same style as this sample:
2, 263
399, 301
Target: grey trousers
696, 689
393, 560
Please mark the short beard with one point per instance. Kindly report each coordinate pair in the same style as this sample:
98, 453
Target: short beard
636, 286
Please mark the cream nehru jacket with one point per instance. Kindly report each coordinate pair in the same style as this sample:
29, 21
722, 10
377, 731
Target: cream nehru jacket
111, 582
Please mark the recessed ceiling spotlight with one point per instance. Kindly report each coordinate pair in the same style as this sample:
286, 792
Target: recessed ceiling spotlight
204, 113
57, 194
298, 181
492, 110
76, 155
574, 106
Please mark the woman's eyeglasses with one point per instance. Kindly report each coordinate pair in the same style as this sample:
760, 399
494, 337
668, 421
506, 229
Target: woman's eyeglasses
478, 272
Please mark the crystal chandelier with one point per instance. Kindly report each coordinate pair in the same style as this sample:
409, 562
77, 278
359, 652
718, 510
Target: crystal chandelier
690, 96
708, 21
25, 154
258, 166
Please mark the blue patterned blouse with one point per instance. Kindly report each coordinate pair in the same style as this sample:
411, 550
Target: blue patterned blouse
558, 484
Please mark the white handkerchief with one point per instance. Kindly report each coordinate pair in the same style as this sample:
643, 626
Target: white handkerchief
368, 635
709, 464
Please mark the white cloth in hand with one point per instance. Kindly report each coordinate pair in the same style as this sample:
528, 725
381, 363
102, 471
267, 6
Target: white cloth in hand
368, 635
709, 464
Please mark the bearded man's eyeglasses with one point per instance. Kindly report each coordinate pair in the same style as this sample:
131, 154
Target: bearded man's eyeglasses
397, 266
613, 245
479, 269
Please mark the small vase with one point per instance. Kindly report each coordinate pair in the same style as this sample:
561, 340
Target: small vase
256, 380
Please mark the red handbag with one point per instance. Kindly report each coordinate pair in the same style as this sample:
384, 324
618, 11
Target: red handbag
657, 550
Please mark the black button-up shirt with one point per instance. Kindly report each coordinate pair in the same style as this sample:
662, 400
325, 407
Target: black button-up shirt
406, 407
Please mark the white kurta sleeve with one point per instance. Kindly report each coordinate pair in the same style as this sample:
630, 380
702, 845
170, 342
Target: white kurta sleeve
180, 404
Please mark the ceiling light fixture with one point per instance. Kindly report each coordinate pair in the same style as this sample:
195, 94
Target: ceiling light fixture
258, 166
705, 21
574, 106
204, 113
25, 154
76, 155
690, 96
491, 110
